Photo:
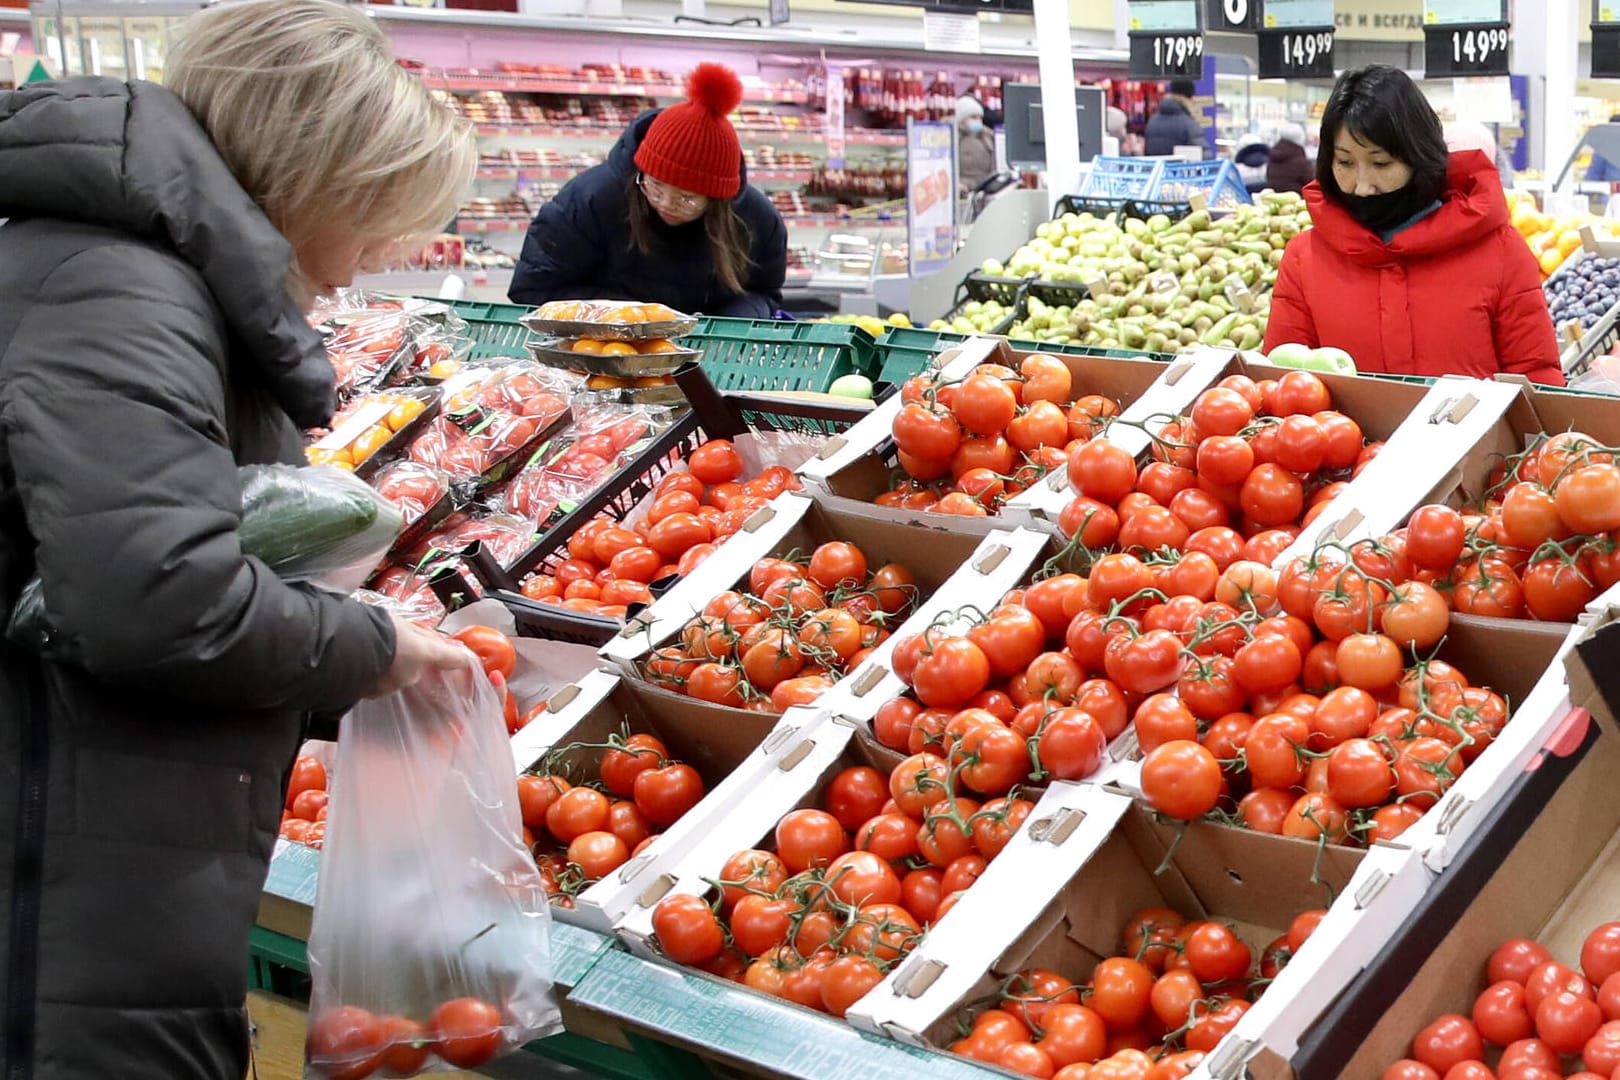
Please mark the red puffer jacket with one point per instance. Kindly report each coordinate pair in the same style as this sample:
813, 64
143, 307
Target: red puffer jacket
1457, 293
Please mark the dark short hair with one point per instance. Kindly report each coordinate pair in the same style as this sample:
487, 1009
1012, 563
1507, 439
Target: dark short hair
1615, 119
1184, 88
1382, 106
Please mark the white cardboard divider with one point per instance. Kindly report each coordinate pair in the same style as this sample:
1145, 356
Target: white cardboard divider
1066, 828
670, 612
999, 562
1451, 822
1384, 891
772, 787
563, 711
865, 437
1452, 417
1183, 380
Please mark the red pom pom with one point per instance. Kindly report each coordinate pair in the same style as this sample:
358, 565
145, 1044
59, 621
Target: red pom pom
715, 87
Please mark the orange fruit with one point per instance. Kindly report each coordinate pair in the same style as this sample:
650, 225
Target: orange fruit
444, 369
588, 346
655, 380
402, 414
659, 313
369, 442
606, 382
659, 346
618, 348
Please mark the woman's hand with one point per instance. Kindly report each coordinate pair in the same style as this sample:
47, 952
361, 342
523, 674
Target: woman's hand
417, 652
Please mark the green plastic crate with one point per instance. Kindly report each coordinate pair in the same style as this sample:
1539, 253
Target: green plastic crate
771, 354
494, 328
907, 350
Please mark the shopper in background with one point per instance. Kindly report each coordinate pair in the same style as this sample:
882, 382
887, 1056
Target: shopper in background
1250, 157
1289, 169
1174, 124
1602, 170
975, 146
1116, 125
1472, 135
162, 248
1413, 267
668, 218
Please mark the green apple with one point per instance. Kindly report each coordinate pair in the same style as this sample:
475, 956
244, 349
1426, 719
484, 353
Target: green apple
851, 386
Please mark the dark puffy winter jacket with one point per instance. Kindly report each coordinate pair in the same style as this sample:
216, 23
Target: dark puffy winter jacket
148, 347
1172, 126
1289, 169
578, 247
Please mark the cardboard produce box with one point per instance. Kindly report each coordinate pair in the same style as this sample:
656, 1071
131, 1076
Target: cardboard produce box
951, 570
853, 469
1547, 868
1064, 909
727, 756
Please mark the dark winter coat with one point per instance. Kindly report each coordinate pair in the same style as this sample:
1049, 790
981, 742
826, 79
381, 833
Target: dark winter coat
1172, 126
148, 347
578, 247
1289, 169
1456, 293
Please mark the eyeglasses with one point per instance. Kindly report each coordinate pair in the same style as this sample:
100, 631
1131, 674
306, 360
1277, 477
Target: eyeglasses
671, 197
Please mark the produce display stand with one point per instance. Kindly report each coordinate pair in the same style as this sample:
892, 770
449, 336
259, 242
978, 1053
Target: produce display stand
494, 328
1216, 182
770, 354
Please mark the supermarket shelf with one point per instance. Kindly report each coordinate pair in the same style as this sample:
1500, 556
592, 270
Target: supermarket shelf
568, 172
784, 136
530, 84
793, 221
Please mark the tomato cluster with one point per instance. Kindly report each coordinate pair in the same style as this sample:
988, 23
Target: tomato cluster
348, 1042
303, 818
580, 833
1542, 545
610, 566
967, 446
363, 344
850, 888
801, 625
1152, 1011
601, 441
1549, 1020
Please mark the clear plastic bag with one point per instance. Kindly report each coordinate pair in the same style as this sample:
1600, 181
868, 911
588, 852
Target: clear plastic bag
430, 947
309, 523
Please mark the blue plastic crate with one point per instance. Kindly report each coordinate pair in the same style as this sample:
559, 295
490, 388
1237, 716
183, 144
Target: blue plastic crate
1217, 181
1121, 178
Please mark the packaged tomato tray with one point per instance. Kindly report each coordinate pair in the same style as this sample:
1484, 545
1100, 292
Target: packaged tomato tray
492, 420
374, 428
421, 493
608, 320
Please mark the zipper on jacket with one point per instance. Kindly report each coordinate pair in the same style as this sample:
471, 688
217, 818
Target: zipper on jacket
26, 883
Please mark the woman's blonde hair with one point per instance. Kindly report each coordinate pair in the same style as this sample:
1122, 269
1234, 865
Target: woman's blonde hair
317, 122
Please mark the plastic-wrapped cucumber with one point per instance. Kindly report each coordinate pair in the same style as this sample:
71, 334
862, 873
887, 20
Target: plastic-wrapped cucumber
307, 523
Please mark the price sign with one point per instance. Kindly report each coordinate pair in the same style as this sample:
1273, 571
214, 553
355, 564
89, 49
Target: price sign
1464, 12
1605, 39
1233, 16
1166, 56
1463, 50
1296, 54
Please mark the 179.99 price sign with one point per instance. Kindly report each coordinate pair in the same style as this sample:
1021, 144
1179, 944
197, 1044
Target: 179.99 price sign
1475, 49
1166, 55
1296, 54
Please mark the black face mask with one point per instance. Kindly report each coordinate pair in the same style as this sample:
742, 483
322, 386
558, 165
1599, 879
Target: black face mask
1392, 209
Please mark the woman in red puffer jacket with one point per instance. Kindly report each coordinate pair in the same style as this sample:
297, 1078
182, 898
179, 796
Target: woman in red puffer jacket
1413, 267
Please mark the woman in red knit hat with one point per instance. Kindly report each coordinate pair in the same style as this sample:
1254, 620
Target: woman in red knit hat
668, 218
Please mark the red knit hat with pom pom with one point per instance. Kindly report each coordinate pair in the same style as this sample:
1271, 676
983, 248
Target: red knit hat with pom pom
692, 146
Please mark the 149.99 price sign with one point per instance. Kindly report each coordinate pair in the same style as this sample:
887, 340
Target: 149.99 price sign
1166, 56
1479, 49
1296, 54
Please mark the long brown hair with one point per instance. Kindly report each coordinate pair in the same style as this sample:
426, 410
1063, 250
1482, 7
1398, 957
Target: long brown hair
728, 235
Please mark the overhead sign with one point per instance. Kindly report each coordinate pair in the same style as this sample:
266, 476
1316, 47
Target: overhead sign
1232, 16
1605, 39
1454, 51
1167, 39
1463, 12
1296, 40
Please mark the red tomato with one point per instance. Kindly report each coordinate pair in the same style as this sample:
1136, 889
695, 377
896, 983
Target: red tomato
1447, 1041
466, 1032
715, 462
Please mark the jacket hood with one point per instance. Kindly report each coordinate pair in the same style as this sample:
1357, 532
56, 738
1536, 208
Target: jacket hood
1472, 206
1287, 151
131, 157
1172, 106
622, 158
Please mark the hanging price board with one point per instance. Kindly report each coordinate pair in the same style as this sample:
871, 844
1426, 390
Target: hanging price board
1167, 39
1605, 39
1232, 16
1296, 54
1464, 50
